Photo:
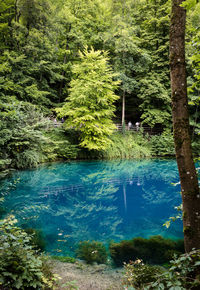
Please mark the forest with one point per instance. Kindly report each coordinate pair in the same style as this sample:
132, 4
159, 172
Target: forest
47, 51
90, 80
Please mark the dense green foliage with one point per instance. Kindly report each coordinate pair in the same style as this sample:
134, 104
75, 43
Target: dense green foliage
92, 252
41, 43
138, 274
182, 274
155, 250
162, 145
20, 134
60, 144
20, 265
127, 146
89, 107
45, 65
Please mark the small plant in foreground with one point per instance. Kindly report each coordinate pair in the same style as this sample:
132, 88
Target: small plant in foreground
137, 274
20, 265
92, 252
184, 273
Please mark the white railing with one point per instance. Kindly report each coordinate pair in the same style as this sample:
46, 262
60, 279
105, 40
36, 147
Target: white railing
145, 129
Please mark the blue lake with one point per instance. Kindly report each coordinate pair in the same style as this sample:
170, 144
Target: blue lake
95, 200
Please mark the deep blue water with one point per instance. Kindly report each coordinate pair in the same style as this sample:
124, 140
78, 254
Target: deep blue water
100, 200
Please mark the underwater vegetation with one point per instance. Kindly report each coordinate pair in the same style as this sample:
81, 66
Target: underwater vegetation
37, 238
64, 259
155, 250
92, 252
2, 211
93, 201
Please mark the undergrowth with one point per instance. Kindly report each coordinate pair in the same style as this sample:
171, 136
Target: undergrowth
127, 146
21, 266
59, 145
183, 273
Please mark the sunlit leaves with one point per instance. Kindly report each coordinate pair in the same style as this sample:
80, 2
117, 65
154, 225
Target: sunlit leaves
90, 107
188, 4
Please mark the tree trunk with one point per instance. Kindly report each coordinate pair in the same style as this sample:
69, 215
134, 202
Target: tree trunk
182, 140
123, 109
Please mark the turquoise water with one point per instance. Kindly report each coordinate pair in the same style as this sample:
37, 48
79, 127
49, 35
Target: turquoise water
100, 200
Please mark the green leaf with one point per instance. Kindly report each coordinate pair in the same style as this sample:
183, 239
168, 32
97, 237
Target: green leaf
188, 4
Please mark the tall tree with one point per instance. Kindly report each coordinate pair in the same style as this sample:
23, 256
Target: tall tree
153, 21
90, 106
186, 167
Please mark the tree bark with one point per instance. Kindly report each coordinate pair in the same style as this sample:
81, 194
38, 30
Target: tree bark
182, 140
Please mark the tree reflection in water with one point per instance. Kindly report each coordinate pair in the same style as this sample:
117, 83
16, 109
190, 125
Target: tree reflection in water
100, 200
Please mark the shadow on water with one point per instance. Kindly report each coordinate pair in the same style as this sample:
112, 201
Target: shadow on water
96, 200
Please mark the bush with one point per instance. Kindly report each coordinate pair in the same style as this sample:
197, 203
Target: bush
162, 145
137, 274
92, 252
21, 135
26, 159
59, 145
20, 265
155, 250
182, 274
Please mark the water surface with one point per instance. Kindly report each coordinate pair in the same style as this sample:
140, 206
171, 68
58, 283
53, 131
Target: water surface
100, 200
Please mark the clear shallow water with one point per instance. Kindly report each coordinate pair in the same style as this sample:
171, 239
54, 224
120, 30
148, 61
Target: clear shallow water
100, 200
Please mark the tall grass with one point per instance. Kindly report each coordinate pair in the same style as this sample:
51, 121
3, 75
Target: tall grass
127, 146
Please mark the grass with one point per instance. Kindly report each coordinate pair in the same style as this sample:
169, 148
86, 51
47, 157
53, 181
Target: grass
127, 146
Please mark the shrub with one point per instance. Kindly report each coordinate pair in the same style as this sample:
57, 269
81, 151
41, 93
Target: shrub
26, 159
20, 265
137, 274
162, 145
92, 252
182, 274
59, 145
21, 135
155, 250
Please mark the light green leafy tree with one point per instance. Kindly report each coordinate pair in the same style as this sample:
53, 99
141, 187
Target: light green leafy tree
90, 106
